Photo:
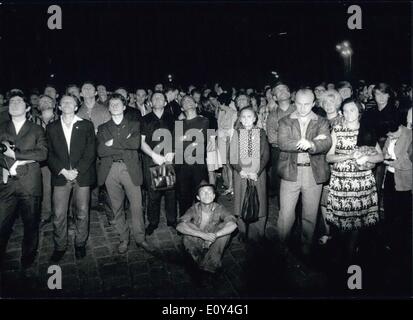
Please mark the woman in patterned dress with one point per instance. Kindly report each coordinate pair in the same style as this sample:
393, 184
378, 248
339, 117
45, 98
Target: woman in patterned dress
352, 201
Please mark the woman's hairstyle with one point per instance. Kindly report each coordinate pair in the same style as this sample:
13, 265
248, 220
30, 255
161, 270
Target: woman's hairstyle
248, 108
385, 88
331, 95
238, 124
72, 85
355, 101
225, 98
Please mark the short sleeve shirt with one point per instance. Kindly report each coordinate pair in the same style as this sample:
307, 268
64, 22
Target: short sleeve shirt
151, 123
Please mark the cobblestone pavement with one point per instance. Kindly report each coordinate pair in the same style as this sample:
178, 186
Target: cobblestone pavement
249, 270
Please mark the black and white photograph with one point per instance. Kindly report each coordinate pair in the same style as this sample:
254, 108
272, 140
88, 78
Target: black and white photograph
206, 150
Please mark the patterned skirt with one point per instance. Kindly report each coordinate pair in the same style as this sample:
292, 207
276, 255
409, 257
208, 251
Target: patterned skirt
352, 200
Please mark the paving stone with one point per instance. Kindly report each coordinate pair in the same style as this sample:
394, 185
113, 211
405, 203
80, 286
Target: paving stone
15, 242
134, 256
12, 264
91, 287
70, 284
141, 280
88, 271
115, 269
113, 282
114, 241
112, 235
102, 252
180, 278
138, 268
138, 274
95, 232
13, 255
110, 228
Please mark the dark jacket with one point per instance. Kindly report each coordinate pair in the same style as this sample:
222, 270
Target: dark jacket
82, 152
30, 144
125, 146
4, 114
289, 134
133, 114
174, 109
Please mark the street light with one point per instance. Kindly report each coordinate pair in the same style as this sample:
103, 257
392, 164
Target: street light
345, 50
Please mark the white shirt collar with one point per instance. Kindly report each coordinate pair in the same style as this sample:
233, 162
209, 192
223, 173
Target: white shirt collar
18, 125
75, 119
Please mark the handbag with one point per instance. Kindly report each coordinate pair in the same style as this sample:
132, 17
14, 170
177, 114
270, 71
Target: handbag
163, 177
367, 151
250, 206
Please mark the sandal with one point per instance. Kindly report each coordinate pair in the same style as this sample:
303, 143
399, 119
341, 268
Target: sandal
324, 239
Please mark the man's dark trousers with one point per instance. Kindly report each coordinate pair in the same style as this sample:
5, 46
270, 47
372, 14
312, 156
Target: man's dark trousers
119, 182
13, 201
81, 197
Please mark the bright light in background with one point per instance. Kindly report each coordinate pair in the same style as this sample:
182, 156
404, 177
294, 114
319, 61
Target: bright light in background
345, 50
52, 75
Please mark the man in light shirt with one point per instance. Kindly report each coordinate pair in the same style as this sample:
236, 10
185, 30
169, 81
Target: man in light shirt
72, 162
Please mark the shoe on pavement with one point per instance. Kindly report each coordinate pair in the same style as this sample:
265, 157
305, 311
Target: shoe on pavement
27, 262
123, 247
45, 222
146, 246
150, 229
172, 224
80, 252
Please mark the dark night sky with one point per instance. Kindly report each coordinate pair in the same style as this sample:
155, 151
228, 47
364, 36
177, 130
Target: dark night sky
133, 44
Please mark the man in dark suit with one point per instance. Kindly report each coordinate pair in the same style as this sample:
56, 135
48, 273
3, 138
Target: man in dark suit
21, 183
130, 113
72, 157
120, 170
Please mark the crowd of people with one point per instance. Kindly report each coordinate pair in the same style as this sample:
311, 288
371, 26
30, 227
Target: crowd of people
340, 153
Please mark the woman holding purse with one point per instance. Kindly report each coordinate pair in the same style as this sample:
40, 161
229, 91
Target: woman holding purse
248, 156
352, 203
